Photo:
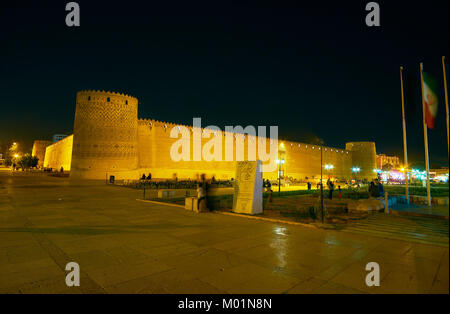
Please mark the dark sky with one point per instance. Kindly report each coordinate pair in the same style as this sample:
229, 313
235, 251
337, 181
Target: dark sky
310, 67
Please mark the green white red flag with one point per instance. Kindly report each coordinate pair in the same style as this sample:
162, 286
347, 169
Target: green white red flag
430, 100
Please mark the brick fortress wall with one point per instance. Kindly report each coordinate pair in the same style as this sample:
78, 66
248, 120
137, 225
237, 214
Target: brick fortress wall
109, 139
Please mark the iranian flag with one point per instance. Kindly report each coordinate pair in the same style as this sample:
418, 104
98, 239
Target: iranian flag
430, 99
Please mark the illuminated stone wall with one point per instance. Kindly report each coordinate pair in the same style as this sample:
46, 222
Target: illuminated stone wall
39, 151
59, 154
105, 136
303, 161
364, 156
154, 154
109, 139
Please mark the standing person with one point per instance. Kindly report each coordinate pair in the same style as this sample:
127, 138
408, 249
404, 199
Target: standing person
376, 189
331, 188
380, 188
372, 189
201, 194
269, 189
340, 194
268, 185
309, 186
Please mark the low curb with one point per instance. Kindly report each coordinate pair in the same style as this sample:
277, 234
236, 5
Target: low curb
268, 219
160, 203
403, 213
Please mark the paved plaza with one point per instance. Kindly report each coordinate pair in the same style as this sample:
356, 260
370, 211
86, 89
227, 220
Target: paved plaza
126, 246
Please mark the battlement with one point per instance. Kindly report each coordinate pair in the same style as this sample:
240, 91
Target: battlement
106, 96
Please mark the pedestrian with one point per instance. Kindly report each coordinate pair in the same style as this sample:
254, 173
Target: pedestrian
143, 176
309, 186
340, 194
201, 194
269, 189
268, 185
149, 177
372, 189
331, 188
380, 188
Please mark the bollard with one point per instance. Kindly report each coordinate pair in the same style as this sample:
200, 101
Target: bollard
386, 205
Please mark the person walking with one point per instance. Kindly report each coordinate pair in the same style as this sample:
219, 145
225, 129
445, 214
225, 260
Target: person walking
340, 194
268, 185
201, 194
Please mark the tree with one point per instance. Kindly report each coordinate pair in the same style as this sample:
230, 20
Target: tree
27, 161
8, 160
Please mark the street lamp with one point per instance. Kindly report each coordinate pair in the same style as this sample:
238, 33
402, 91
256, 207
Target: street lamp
356, 170
329, 167
279, 163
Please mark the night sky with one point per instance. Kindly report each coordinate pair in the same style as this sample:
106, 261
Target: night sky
312, 67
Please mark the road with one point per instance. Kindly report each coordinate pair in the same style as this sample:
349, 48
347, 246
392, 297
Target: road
126, 246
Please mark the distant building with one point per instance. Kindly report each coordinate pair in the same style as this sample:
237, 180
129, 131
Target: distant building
439, 175
2, 161
384, 160
58, 137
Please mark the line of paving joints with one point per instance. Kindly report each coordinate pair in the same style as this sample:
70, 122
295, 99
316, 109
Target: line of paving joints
60, 258
438, 269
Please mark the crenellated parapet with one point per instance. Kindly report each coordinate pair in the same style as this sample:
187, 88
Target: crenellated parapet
102, 96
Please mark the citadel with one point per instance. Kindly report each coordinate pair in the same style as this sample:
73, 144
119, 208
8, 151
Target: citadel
110, 140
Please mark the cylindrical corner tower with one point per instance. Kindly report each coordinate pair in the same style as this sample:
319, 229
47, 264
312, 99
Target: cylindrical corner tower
105, 136
364, 158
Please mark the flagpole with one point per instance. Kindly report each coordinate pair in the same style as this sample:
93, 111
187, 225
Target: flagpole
405, 148
446, 100
425, 136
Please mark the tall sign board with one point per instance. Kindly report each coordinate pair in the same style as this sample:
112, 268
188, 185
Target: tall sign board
248, 198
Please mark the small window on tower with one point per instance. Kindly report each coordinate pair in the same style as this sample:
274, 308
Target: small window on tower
107, 99
89, 97
126, 102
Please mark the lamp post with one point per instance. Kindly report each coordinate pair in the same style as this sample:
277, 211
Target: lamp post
279, 162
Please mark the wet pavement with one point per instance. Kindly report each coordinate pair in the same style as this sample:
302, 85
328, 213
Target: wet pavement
126, 246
